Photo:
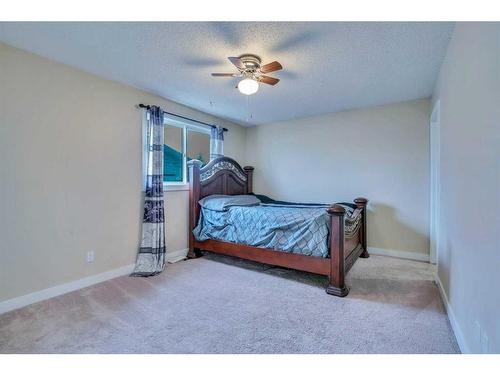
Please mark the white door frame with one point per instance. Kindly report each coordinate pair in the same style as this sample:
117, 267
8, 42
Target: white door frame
435, 188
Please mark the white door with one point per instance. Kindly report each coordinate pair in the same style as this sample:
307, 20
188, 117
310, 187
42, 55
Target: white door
435, 183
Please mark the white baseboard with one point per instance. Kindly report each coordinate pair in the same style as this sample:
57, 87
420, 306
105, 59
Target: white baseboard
399, 254
464, 348
176, 256
28, 299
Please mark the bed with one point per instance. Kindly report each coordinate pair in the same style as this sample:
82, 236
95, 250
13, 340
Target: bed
321, 239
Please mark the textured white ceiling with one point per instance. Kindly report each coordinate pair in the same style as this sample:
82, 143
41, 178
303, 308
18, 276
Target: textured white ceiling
328, 66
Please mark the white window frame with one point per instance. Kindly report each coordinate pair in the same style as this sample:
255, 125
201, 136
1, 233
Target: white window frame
185, 125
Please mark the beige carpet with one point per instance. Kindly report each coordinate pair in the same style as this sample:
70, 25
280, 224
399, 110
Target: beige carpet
217, 304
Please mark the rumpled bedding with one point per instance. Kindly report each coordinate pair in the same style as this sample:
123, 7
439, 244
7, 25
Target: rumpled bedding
299, 228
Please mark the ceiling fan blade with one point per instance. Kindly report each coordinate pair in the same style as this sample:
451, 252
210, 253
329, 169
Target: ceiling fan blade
271, 67
237, 62
269, 80
225, 75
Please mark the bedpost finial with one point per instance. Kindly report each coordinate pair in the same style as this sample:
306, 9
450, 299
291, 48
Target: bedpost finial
336, 209
194, 163
361, 202
249, 172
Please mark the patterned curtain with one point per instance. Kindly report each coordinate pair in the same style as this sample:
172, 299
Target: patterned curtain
216, 142
151, 257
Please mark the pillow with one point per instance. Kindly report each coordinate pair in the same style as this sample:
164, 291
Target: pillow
223, 202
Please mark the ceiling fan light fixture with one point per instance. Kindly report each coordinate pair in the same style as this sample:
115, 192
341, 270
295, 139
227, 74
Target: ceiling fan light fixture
248, 86
250, 69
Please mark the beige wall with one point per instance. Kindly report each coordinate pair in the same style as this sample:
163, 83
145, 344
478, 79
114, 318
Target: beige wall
70, 167
381, 153
469, 252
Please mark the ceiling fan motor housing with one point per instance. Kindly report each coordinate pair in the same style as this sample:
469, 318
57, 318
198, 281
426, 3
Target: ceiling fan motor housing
251, 62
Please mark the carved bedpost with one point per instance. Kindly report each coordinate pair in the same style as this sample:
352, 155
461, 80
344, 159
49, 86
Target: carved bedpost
361, 203
249, 171
336, 285
194, 209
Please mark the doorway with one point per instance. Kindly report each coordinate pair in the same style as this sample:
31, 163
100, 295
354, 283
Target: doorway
435, 163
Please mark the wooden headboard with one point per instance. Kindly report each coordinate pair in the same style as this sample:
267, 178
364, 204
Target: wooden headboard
221, 176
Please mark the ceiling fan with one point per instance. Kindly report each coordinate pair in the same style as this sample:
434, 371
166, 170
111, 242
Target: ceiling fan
250, 69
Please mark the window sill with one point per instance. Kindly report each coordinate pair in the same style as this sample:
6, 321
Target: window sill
175, 187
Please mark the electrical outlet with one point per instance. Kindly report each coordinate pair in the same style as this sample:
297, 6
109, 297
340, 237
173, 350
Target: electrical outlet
90, 256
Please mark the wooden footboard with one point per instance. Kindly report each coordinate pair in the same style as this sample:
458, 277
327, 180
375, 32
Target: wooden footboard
361, 204
225, 176
343, 253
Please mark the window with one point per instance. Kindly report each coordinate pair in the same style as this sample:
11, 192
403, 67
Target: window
172, 154
183, 141
198, 146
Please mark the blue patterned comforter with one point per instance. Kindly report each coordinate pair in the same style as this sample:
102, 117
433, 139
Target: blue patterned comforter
294, 229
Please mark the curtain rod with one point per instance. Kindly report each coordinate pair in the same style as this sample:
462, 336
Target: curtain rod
183, 117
